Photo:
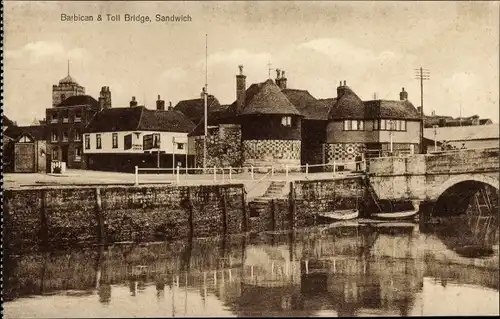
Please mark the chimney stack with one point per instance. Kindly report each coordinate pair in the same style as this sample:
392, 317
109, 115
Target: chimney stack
403, 95
241, 88
281, 80
160, 104
170, 107
419, 109
433, 113
133, 103
341, 89
105, 98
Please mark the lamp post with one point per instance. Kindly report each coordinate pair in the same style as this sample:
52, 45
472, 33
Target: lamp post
390, 136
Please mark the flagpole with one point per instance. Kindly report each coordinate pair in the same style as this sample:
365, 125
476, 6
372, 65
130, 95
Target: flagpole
205, 93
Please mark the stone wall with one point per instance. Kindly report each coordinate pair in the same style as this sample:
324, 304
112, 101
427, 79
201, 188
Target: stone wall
312, 197
89, 215
223, 147
272, 152
343, 152
422, 176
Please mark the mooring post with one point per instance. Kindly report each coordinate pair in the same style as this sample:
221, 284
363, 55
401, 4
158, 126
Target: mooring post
307, 169
333, 168
230, 173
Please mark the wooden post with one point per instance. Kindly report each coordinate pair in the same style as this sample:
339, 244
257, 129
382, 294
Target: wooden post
292, 206
215, 173
136, 176
244, 210
178, 175
224, 211
272, 170
307, 169
273, 215
44, 231
100, 219
230, 173
286, 172
251, 172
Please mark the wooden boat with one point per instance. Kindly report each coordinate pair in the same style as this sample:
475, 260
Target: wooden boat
406, 214
345, 214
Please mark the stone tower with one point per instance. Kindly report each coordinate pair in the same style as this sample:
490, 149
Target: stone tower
67, 87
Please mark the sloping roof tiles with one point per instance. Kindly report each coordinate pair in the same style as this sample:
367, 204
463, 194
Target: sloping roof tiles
139, 118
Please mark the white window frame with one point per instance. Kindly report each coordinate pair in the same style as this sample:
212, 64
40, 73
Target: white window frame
54, 137
87, 141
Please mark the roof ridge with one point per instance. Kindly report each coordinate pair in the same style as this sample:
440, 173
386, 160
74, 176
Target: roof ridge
140, 118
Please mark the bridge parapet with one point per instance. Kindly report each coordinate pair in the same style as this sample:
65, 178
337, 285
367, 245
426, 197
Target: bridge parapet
420, 176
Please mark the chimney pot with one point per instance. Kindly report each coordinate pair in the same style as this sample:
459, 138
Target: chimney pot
344, 83
158, 96
241, 69
340, 84
403, 95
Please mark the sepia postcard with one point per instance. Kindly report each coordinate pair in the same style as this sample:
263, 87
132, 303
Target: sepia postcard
250, 158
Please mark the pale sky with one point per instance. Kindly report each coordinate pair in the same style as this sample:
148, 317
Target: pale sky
374, 46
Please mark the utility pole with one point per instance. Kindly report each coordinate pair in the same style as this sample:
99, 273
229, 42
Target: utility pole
422, 74
205, 93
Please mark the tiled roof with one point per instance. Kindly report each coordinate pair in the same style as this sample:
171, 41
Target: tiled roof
308, 105
268, 100
79, 100
6, 121
214, 118
348, 106
319, 109
194, 109
463, 133
403, 110
139, 118
67, 80
38, 132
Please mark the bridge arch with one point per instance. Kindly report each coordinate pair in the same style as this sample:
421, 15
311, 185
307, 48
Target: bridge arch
454, 195
479, 178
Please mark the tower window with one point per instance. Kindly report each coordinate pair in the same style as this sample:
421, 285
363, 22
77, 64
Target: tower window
63, 97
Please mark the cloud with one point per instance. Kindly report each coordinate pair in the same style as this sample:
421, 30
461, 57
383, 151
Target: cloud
344, 52
40, 51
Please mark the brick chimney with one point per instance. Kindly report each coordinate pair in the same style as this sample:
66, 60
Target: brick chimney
107, 98
280, 80
341, 89
241, 88
133, 103
419, 109
160, 104
403, 95
170, 107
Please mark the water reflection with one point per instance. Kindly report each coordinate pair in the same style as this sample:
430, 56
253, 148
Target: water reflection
359, 270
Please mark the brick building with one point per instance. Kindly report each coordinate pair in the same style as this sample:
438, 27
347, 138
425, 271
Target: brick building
117, 139
357, 127
66, 120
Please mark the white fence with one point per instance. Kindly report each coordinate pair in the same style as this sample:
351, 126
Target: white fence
237, 174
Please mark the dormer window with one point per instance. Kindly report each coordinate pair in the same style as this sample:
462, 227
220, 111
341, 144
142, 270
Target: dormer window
286, 121
354, 125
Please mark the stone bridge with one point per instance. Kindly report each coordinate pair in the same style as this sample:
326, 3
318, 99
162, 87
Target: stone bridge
451, 177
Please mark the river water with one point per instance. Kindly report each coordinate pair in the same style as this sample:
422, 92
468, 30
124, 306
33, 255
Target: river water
336, 270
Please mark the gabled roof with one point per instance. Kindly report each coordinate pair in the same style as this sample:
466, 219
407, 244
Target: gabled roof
37, 132
6, 121
194, 109
463, 133
77, 100
306, 104
392, 109
319, 109
268, 99
139, 119
214, 118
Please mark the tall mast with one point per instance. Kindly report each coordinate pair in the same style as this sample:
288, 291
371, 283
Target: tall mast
205, 93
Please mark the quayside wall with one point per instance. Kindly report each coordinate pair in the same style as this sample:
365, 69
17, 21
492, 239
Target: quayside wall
54, 216
93, 215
